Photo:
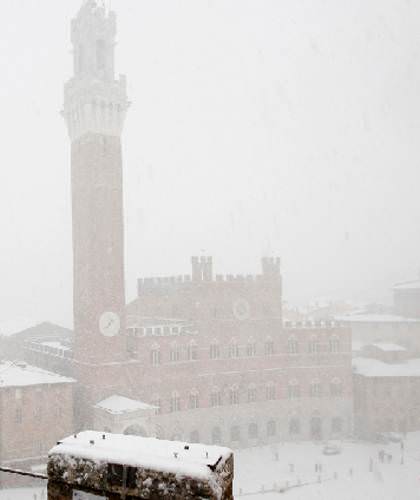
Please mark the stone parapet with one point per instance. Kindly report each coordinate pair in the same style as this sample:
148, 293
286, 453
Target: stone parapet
117, 466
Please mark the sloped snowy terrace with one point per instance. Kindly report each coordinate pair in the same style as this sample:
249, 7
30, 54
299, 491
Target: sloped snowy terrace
343, 477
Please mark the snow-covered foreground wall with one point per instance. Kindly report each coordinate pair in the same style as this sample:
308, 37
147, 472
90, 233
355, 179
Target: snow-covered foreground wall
345, 476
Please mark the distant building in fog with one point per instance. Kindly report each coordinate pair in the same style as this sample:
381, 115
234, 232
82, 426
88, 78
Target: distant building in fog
222, 367
369, 328
407, 298
36, 410
386, 391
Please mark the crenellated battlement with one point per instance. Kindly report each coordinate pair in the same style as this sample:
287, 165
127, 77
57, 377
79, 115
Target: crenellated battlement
165, 282
270, 266
145, 284
202, 272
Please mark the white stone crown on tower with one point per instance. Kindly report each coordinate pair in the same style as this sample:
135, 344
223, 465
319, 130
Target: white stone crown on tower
94, 101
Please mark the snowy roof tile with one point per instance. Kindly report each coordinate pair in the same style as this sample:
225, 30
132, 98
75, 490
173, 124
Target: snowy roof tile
118, 405
408, 285
374, 368
375, 318
20, 374
385, 346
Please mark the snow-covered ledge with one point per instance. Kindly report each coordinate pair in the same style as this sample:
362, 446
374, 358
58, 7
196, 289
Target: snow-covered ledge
119, 466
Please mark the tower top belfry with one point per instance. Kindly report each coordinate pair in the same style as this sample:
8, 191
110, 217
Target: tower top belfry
94, 100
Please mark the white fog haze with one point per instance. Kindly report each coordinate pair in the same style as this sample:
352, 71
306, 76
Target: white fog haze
256, 128
210, 249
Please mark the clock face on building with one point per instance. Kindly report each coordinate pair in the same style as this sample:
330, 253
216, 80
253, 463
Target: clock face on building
109, 324
241, 309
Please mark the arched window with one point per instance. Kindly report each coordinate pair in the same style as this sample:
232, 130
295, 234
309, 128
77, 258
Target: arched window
216, 435
337, 425
292, 345
252, 393
269, 347
157, 403
100, 54
192, 351
316, 427
294, 389
215, 397
81, 59
294, 426
315, 389
193, 400
214, 350
155, 357
253, 430
234, 395
233, 349
270, 391
314, 345
175, 403
271, 428
336, 387
174, 353
334, 344
235, 433
251, 347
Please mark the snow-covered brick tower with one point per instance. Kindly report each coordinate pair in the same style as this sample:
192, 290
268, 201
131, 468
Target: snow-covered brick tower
95, 106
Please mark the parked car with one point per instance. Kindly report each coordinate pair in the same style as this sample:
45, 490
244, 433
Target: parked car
380, 438
332, 449
394, 437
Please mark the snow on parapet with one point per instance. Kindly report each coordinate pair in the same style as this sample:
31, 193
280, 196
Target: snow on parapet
174, 282
100, 462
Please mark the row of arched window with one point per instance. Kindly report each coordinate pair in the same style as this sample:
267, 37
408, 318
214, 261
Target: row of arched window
270, 430
234, 350
313, 346
233, 395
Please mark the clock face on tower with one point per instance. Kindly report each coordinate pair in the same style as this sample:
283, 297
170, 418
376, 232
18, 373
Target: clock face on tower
109, 324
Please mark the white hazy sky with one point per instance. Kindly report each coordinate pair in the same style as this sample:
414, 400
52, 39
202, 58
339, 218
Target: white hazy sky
257, 127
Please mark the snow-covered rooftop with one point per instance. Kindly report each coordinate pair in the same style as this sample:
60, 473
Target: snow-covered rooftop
194, 460
10, 327
374, 368
385, 346
20, 374
408, 285
375, 318
118, 405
